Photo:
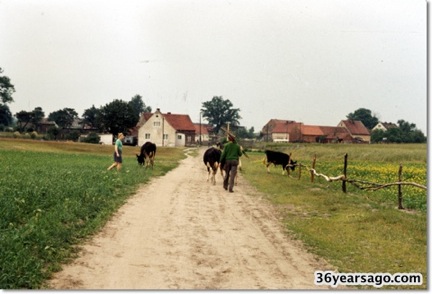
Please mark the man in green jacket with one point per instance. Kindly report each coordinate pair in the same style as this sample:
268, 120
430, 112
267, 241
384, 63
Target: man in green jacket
230, 160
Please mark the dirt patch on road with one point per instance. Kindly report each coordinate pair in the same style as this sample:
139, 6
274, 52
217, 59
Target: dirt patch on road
181, 232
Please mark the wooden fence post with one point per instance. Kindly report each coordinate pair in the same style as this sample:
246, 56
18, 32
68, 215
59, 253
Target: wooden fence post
313, 168
345, 173
400, 188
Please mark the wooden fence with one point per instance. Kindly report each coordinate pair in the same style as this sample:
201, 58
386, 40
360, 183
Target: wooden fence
363, 185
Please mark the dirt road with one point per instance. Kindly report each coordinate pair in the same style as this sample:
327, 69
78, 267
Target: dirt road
181, 232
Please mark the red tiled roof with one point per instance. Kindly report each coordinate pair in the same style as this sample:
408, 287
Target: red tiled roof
204, 129
180, 122
285, 126
312, 130
276, 125
336, 132
356, 127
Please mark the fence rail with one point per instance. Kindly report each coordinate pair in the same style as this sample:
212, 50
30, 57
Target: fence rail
360, 184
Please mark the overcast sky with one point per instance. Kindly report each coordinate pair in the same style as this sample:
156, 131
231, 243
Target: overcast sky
312, 61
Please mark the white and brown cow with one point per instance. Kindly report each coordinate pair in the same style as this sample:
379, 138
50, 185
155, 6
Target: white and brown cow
211, 160
147, 154
279, 158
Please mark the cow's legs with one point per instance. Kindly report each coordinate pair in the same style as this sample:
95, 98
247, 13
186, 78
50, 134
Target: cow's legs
213, 178
151, 159
268, 169
215, 168
208, 171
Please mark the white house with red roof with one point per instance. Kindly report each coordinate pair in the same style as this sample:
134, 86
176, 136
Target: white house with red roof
166, 129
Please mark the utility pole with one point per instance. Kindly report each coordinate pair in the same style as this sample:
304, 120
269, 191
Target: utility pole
228, 124
200, 129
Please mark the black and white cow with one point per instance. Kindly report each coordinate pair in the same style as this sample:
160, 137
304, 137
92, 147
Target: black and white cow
147, 154
279, 158
211, 160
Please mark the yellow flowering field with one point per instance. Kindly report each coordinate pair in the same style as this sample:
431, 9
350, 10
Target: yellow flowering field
384, 173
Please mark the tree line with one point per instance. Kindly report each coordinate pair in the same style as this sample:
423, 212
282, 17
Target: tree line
120, 116
403, 132
114, 117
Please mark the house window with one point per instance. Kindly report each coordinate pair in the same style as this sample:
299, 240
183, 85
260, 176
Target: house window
179, 137
147, 136
165, 136
156, 124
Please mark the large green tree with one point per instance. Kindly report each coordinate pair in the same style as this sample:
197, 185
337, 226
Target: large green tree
24, 118
405, 133
106, 119
6, 91
33, 118
138, 105
218, 112
64, 118
6, 88
5, 115
38, 115
410, 133
118, 116
93, 118
365, 116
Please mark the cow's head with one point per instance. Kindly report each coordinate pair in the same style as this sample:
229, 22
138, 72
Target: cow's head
140, 159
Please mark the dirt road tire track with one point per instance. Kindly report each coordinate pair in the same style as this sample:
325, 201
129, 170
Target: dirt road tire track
181, 232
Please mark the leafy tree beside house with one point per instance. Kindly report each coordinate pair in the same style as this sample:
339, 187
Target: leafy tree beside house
29, 118
38, 114
64, 118
365, 116
405, 133
24, 118
219, 112
93, 118
242, 133
138, 105
118, 116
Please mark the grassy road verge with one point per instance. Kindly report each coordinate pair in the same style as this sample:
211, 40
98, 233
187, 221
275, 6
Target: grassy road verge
358, 231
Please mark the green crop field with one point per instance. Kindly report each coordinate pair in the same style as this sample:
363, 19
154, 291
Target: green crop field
55, 194
357, 231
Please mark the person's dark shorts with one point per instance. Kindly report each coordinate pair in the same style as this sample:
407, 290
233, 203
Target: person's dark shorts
118, 159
